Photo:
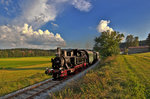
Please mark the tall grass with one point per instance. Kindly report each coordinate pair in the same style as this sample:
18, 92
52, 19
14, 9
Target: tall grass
16, 73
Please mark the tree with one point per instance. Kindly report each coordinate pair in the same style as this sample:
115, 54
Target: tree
129, 41
136, 41
108, 43
148, 40
132, 41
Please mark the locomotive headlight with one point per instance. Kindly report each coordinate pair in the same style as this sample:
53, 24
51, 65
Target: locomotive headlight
60, 68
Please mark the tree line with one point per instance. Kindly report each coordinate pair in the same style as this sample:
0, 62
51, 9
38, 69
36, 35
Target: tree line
148, 40
132, 41
4, 53
109, 43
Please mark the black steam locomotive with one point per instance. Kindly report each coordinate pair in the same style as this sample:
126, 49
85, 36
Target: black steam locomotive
70, 61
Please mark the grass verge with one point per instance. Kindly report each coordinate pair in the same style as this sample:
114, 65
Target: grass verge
123, 76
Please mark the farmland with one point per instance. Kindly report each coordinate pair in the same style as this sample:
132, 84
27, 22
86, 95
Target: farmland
16, 73
123, 76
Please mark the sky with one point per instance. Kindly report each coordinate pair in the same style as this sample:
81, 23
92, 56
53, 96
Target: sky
46, 24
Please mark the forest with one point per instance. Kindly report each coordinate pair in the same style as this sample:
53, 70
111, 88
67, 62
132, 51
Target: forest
23, 52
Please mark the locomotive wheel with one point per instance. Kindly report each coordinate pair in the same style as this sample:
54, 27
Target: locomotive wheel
55, 76
46, 72
68, 72
87, 65
82, 68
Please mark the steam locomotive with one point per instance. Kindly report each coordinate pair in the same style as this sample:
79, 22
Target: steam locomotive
71, 61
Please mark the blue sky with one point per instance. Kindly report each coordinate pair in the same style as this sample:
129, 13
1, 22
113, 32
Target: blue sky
70, 23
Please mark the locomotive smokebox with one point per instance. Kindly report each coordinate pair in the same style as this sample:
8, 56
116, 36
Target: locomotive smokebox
59, 51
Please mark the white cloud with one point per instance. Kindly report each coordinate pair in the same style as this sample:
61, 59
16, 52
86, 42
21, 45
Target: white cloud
26, 37
39, 12
103, 26
35, 13
82, 5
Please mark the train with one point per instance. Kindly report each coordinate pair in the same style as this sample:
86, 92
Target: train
70, 61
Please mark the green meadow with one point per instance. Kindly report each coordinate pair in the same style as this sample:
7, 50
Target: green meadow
117, 77
17, 73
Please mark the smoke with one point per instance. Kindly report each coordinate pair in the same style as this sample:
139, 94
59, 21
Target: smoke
26, 37
103, 26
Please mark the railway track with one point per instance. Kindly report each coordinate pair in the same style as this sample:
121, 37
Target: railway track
35, 90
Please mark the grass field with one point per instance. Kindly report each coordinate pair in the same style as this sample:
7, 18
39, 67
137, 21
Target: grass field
16, 73
124, 76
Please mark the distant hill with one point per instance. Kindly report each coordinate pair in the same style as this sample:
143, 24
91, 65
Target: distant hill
24, 52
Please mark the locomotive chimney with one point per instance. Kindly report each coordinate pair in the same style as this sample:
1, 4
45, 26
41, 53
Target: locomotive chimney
59, 51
